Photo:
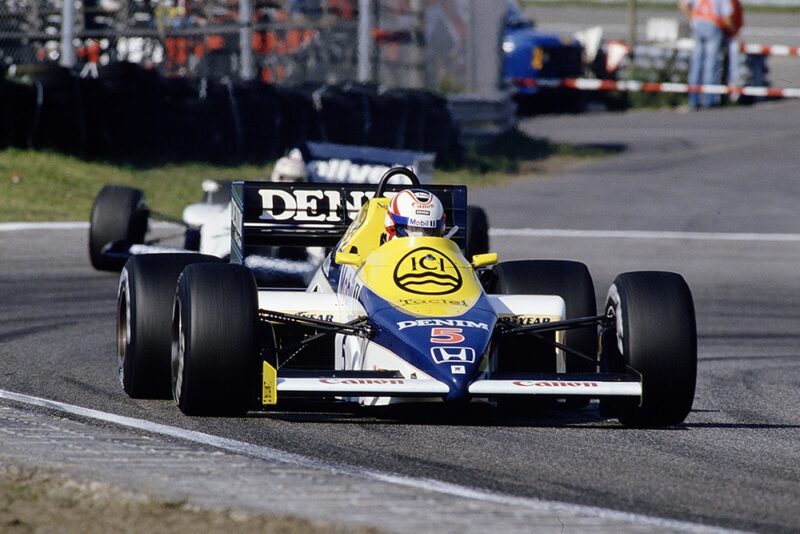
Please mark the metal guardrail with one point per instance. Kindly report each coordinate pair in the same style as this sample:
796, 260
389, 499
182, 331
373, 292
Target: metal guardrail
482, 116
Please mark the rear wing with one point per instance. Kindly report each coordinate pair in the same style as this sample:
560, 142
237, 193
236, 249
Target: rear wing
268, 214
332, 163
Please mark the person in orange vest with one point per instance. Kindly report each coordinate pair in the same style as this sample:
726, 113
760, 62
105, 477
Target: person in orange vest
710, 20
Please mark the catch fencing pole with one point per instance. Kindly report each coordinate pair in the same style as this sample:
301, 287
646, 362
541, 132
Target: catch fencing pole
67, 31
246, 71
364, 40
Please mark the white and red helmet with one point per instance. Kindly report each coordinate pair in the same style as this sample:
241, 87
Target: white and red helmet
414, 213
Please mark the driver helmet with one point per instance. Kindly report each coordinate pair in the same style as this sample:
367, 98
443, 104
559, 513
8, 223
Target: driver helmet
290, 168
414, 213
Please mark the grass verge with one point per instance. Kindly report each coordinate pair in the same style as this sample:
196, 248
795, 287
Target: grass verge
48, 186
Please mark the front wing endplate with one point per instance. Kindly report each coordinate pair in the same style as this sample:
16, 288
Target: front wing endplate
269, 385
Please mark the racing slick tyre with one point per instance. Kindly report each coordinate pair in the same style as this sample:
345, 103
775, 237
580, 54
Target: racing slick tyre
119, 213
214, 340
570, 280
477, 232
144, 315
656, 337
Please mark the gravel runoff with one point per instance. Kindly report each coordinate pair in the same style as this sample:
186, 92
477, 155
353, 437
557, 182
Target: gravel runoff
203, 476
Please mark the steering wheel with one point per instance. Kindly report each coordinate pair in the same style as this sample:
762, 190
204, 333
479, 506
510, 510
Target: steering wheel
408, 173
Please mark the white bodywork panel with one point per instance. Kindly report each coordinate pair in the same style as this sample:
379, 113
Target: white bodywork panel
358, 354
324, 306
534, 309
214, 221
543, 306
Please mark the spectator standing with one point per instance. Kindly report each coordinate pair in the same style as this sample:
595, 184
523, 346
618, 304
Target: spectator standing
710, 20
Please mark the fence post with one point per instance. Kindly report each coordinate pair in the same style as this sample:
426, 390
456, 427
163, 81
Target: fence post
245, 39
67, 58
632, 28
364, 41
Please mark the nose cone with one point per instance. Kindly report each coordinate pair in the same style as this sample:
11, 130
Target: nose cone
449, 349
458, 366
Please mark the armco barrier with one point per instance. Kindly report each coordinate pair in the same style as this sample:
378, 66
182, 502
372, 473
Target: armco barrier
17, 109
591, 84
129, 113
771, 50
483, 116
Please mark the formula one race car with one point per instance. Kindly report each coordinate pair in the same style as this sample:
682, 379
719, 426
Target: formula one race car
120, 226
405, 320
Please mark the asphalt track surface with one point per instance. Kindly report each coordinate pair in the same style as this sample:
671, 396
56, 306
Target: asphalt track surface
700, 184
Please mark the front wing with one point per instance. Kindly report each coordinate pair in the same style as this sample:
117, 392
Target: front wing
356, 384
319, 383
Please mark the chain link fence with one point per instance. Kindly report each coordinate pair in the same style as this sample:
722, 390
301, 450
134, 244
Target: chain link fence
292, 41
405, 43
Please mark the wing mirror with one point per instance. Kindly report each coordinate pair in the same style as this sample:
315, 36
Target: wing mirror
484, 260
348, 258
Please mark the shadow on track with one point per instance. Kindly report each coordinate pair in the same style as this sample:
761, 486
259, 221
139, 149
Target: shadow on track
541, 414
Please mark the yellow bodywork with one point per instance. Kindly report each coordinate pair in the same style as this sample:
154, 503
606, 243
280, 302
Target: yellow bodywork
269, 385
364, 234
424, 276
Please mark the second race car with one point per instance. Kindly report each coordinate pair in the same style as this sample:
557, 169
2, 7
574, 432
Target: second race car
120, 221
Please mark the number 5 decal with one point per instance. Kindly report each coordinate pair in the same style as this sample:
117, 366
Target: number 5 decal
446, 335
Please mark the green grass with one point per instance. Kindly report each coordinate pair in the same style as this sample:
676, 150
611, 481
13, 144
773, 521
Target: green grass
54, 187
48, 186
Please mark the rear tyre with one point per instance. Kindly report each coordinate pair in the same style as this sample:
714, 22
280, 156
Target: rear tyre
144, 315
656, 337
477, 232
119, 213
214, 343
572, 282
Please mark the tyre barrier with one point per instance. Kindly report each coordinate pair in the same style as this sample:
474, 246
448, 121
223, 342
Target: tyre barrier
128, 113
17, 112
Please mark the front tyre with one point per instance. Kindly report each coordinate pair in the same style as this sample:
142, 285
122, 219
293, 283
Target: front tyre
571, 281
214, 343
144, 317
119, 213
656, 337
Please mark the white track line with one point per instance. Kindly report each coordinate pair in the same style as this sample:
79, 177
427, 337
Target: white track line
270, 454
641, 234
21, 226
512, 232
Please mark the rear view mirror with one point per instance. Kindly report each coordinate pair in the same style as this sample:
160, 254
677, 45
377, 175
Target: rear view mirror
348, 258
484, 260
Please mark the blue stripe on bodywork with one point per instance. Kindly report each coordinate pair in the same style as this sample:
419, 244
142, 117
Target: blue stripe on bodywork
414, 343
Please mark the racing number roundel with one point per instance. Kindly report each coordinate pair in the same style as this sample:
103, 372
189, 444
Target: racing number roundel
426, 271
